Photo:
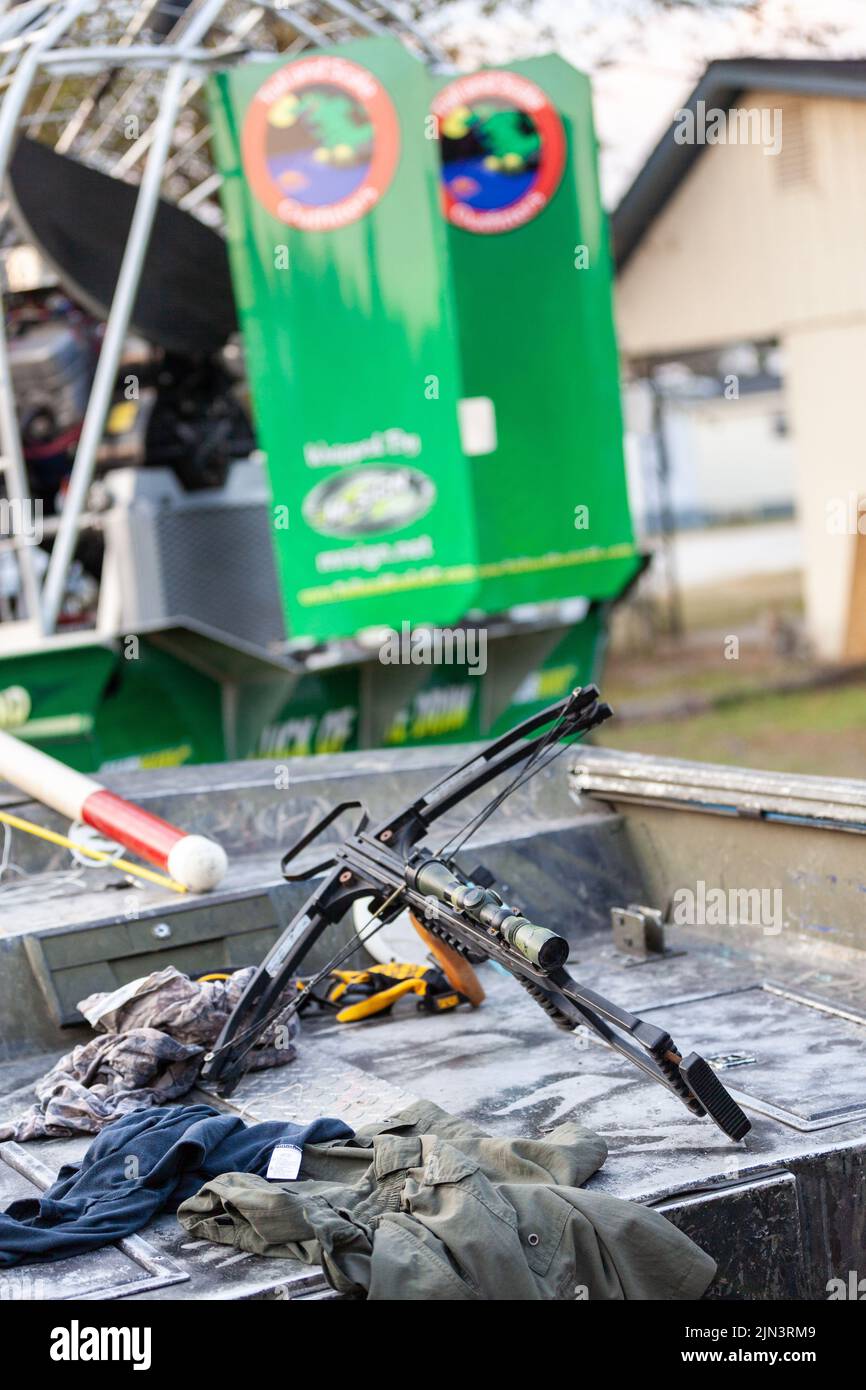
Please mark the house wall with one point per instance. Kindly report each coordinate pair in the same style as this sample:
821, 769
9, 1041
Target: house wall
754, 246
825, 375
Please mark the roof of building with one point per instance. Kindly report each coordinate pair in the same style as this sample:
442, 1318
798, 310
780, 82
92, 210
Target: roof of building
720, 87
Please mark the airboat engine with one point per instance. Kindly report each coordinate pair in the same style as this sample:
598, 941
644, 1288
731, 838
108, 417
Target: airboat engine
179, 401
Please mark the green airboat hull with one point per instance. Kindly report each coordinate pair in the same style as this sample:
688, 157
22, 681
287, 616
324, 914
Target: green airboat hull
179, 696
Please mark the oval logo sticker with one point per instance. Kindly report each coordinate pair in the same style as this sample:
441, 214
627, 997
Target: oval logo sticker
369, 501
320, 143
503, 151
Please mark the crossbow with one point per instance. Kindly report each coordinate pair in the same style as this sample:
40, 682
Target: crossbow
389, 865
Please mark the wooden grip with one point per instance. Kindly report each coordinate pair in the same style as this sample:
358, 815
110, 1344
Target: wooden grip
456, 968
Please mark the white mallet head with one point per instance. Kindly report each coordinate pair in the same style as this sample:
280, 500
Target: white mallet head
197, 863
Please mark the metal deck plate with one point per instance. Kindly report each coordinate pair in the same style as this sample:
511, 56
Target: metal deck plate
808, 1053
162, 1263
132, 1266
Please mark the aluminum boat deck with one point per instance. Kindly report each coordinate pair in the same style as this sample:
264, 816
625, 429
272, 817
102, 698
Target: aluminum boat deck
779, 1008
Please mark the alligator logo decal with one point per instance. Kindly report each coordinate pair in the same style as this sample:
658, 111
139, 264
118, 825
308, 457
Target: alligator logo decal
503, 151
320, 143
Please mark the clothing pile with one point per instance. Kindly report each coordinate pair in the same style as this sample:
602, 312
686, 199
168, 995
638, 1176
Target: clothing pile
154, 1033
426, 1206
421, 1206
140, 1165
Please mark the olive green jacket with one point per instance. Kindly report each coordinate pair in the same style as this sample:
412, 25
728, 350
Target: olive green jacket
426, 1206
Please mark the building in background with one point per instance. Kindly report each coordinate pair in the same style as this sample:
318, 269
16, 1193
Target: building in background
751, 229
730, 462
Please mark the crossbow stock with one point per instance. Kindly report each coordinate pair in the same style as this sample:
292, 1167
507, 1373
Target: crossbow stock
388, 865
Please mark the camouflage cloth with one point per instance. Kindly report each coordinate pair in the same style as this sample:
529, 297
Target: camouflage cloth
189, 1011
156, 1032
426, 1206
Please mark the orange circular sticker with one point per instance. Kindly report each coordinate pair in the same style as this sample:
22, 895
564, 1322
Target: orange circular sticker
503, 150
320, 143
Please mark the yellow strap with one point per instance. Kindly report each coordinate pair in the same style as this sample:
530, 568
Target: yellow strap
447, 1001
383, 1000
396, 970
54, 839
351, 977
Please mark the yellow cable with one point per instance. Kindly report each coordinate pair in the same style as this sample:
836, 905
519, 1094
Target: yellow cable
54, 839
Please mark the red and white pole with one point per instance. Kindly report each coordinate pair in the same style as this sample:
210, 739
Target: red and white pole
193, 860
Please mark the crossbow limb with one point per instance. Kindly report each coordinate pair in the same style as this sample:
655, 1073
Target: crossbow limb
386, 865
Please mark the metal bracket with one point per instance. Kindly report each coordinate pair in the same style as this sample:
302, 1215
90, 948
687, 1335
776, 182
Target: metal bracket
639, 933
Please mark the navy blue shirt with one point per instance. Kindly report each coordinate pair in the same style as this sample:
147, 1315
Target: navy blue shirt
139, 1165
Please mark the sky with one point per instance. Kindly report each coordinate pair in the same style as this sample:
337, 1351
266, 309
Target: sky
645, 56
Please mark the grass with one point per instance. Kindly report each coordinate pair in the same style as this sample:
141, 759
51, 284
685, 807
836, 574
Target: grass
821, 730
818, 731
